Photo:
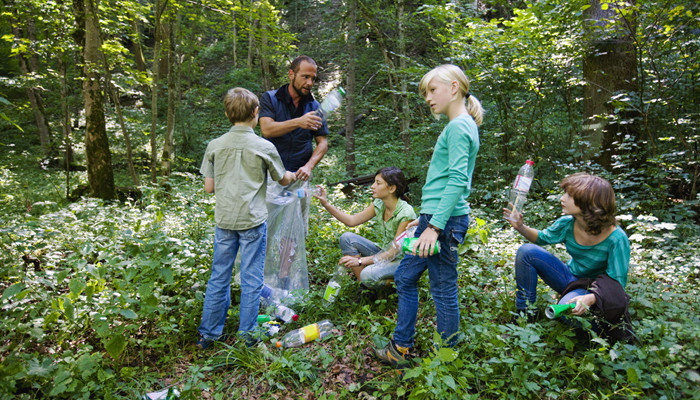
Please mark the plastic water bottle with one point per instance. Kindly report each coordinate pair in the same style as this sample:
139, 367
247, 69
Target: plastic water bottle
307, 192
555, 310
271, 296
331, 102
521, 185
306, 334
333, 286
408, 243
395, 247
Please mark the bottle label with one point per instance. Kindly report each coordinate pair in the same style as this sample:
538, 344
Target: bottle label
311, 332
522, 183
331, 291
410, 242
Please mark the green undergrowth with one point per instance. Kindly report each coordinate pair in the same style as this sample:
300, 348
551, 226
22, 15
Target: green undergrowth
102, 300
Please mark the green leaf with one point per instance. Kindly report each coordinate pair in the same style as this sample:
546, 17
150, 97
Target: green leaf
62, 275
632, 377
130, 314
68, 308
12, 290
76, 287
116, 345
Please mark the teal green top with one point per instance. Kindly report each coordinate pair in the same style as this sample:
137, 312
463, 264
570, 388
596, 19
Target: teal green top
387, 229
611, 256
449, 179
239, 161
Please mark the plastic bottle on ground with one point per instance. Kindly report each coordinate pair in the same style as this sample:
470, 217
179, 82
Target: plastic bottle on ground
306, 334
521, 186
333, 286
272, 297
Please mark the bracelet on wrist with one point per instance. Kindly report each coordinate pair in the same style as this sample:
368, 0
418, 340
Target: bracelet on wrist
434, 228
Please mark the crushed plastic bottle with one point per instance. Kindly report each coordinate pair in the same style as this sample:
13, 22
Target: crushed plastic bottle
272, 297
306, 334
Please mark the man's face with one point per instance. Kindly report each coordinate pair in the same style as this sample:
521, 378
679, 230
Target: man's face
303, 80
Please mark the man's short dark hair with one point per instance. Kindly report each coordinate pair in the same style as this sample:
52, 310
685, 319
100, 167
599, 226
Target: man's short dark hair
296, 63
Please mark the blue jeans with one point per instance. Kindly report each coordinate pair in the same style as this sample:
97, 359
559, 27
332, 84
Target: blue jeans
352, 244
532, 261
217, 299
442, 271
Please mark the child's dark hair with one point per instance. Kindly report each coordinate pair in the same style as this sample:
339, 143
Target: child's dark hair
595, 197
240, 105
394, 176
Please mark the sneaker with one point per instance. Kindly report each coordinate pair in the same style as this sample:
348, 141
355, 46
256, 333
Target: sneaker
203, 343
393, 355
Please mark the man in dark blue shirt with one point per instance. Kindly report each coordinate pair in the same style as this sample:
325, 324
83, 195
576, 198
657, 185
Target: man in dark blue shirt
289, 120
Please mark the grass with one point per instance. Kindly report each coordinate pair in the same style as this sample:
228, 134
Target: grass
102, 300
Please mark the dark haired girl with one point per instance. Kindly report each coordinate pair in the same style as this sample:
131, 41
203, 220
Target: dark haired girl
393, 215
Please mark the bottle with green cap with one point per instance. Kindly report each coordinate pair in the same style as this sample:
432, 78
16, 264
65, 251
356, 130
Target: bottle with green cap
555, 310
331, 102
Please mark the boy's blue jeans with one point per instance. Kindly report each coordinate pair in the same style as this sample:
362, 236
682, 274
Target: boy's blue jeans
442, 271
217, 299
532, 261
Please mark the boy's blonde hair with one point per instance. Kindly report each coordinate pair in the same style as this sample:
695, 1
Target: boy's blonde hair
447, 73
240, 105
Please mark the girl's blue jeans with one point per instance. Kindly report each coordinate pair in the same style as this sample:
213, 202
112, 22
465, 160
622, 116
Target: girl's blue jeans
532, 261
252, 243
353, 244
442, 271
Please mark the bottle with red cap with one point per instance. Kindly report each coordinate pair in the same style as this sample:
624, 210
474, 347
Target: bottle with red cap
521, 185
272, 297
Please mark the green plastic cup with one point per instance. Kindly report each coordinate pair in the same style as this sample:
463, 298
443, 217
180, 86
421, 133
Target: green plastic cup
555, 310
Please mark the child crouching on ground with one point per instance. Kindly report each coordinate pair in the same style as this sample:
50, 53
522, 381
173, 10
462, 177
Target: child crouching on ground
235, 167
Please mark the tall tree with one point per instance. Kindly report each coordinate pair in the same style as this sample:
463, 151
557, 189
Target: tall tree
97, 153
24, 30
160, 6
350, 164
169, 146
610, 67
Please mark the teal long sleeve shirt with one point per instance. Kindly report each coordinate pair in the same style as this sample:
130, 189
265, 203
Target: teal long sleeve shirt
449, 179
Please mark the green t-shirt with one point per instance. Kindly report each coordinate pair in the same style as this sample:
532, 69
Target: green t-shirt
449, 179
239, 161
387, 229
611, 256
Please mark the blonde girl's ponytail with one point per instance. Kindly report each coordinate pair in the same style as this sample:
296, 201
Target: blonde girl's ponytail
448, 73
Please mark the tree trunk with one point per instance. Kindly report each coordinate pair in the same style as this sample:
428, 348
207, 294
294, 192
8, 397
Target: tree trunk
234, 34
28, 68
65, 121
350, 164
168, 146
120, 117
160, 6
251, 34
136, 49
405, 111
609, 67
99, 158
